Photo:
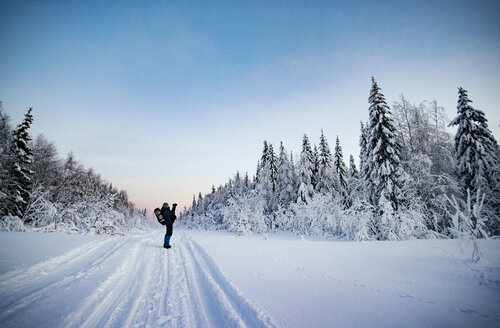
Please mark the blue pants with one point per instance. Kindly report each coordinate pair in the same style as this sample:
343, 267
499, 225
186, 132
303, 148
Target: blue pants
167, 240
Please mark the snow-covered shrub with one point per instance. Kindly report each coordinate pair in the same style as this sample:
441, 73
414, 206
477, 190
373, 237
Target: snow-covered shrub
245, 214
40, 212
11, 223
358, 221
401, 224
319, 217
468, 223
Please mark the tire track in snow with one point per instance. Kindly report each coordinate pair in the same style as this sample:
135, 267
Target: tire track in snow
126, 282
22, 289
223, 305
111, 304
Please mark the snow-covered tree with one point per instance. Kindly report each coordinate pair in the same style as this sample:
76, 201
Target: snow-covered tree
46, 165
20, 175
354, 184
477, 156
440, 141
468, 222
327, 179
286, 179
364, 156
383, 161
353, 171
306, 171
269, 170
340, 167
262, 162
268, 177
476, 149
238, 187
5, 140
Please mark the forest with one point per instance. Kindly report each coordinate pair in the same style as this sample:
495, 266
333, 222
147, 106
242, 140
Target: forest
39, 191
415, 180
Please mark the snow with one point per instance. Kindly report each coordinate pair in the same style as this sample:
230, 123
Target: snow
217, 279
20, 250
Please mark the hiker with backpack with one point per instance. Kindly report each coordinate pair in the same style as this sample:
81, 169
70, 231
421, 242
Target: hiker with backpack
166, 216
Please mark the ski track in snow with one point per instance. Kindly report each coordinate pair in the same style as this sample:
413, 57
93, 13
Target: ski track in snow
126, 282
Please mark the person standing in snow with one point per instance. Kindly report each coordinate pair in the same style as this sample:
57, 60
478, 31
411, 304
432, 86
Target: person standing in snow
169, 215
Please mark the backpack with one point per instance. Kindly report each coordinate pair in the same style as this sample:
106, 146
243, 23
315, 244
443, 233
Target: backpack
159, 216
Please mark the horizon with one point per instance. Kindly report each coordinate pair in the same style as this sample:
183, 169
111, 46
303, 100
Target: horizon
166, 100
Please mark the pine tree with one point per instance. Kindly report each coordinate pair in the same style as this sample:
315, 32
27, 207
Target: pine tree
238, 185
246, 181
265, 153
200, 204
340, 167
353, 171
273, 167
306, 170
268, 176
383, 162
477, 154
354, 185
364, 154
286, 179
327, 178
315, 176
476, 149
256, 178
268, 170
22, 155
5, 140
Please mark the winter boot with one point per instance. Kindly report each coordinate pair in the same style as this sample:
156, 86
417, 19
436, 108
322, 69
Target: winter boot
166, 243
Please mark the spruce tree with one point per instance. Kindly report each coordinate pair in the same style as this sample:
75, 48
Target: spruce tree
238, 184
383, 163
265, 154
200, 204
20, 176
476, 149
268, 170
340, 167
353, 171
477, 154
5, 140
315, 176
327, 178
286, 191
364, 154
272, 167
306, 171
246, 181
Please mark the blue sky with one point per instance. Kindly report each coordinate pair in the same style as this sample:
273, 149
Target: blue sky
167, 98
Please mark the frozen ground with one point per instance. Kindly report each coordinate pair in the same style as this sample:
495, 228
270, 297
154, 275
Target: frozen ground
217, 279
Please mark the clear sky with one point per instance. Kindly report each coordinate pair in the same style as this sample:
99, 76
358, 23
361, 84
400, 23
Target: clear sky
167, 98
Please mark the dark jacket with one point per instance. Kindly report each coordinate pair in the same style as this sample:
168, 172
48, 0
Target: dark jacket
169, 215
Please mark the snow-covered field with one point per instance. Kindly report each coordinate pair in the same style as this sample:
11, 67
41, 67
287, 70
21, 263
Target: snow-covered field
216, 279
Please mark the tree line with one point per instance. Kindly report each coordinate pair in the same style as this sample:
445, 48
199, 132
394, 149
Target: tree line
414, 181
40, 191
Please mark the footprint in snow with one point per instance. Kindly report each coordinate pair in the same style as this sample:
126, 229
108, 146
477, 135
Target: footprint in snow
468, 311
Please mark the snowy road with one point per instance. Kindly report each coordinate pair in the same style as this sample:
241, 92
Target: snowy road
126, 282
218, 279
